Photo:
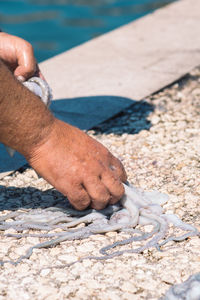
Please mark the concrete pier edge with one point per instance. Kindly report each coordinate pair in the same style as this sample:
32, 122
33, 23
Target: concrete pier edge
132, 61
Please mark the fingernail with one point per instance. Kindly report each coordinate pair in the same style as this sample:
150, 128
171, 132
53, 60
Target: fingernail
21, 78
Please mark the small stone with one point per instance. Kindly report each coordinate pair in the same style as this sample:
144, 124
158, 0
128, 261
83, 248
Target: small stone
195, 242
45, 272
111, 295
131, 296
67, 258
155, 120
10, 231
128, 287
54, 251
27, 280
111, 234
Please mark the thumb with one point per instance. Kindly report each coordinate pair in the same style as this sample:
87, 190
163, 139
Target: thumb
26, 63
22, 73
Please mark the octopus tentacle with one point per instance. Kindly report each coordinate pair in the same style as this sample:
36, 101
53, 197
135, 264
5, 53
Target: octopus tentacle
136, 208
78, 234
182, 225
142, 236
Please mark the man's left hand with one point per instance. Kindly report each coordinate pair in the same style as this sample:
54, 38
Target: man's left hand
18, 55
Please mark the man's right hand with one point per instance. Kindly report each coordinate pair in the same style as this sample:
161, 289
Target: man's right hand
75, 164
79, 167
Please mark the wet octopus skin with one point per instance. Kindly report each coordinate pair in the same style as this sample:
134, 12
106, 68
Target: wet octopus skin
135, 208
187, 290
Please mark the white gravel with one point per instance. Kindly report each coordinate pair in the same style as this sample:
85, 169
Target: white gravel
158, 142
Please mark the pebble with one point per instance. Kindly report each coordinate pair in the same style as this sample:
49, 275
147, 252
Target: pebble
158, 142
45, 272
155, 120
128, 287
67, 258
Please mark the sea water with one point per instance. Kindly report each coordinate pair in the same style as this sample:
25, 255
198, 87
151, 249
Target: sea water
54, 26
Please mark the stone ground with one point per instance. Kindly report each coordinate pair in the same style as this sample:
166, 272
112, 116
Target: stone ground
158, 141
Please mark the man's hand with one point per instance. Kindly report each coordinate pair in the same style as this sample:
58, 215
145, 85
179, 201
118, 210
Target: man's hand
79, 167
18, 55
75, 164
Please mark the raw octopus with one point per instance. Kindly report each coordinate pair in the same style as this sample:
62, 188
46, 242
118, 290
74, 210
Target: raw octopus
135, 208
188, 290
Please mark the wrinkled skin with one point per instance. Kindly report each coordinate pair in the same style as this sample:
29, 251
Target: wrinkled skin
79, 167
75, 164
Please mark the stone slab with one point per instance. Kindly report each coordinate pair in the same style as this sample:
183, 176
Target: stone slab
96, 80
133, 61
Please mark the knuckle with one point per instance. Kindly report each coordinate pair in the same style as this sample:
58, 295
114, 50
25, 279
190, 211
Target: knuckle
85, 202
79, 203
117, 163
82, 206
100, 194
28, 46
99, 204
116, 187
78, 197
117, 190
100, 197
119, 170
122, 175
113, 200
120, 191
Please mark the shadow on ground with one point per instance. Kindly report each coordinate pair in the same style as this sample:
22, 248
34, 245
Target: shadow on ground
14, 198
114, 114
131, 120
104, 113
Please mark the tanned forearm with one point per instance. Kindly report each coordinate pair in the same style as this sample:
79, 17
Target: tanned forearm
24, 119
75, 164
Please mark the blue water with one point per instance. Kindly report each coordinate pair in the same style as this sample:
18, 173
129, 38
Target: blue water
54, 26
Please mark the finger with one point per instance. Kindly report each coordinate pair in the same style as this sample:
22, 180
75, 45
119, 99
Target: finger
21, 78
26, 61
118, 169
78, 197
39, 73
114, 185
75, 193
99, 194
